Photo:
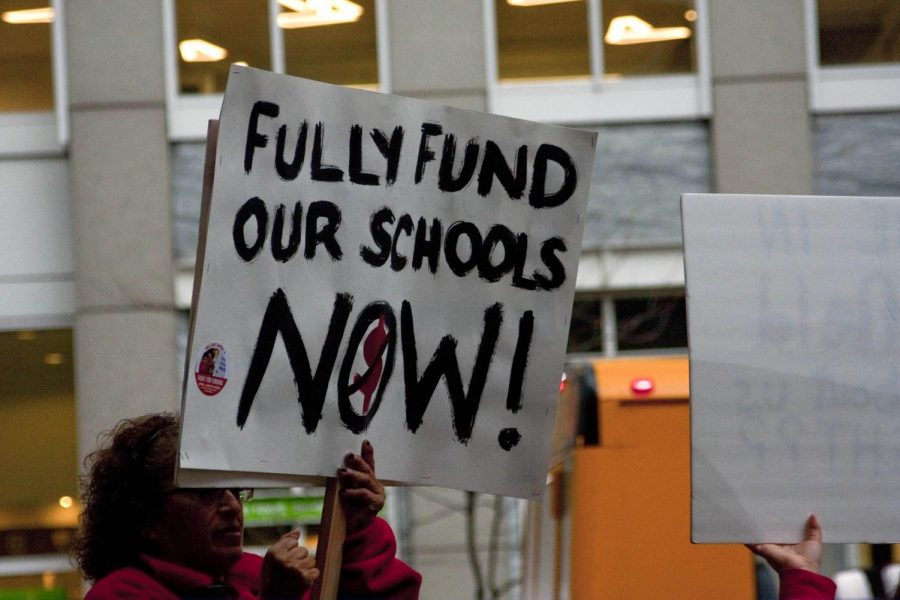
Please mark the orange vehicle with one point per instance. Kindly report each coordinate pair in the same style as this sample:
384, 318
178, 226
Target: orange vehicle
616, 519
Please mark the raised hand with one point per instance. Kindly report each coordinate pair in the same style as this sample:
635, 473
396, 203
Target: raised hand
362, 495
804, 555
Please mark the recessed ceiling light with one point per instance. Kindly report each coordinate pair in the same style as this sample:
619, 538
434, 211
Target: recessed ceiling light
66, 501
634, 30
28, 17
54, 358
690, 15
197, 50
313, 13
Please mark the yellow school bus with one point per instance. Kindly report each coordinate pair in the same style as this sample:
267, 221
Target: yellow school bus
615, 522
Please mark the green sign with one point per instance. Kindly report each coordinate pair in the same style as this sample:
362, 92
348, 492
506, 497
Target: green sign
282, 511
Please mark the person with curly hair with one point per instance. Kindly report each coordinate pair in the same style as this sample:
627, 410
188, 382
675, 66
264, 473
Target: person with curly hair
142, 537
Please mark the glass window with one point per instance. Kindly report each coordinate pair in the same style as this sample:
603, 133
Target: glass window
25, 67
858, 31
551, 38
537, 39
639, 172
187, 162
585, 330
648, 37
214, 34
37, 409
649, 323
341, 50
39, 506
856, 155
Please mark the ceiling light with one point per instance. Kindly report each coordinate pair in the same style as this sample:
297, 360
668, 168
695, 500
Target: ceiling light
198, 50
634, 30
536, 2
54, 358
690, 15
312, 13
241, 63
26, 335
27, 17
66, 501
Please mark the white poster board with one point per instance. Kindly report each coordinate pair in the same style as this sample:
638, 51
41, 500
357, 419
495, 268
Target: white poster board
384, 268
794, 329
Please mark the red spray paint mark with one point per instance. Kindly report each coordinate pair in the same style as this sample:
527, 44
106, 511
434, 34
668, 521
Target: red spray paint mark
372, 356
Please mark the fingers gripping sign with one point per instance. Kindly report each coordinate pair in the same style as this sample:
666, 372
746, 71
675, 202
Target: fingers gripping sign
804, 555
352, 500
288, 569
362, 495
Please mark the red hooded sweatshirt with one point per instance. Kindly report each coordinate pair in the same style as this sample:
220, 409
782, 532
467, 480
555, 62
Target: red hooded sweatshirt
370, 571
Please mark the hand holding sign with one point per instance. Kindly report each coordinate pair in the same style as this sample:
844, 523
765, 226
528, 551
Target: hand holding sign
804, 555
362, 495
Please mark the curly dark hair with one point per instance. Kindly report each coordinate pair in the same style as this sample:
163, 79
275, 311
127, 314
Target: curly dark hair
123, 491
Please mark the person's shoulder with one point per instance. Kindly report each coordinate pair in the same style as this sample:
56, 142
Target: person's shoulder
128, 583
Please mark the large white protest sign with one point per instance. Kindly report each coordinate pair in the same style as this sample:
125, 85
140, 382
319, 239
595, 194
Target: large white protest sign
794, 329
383, 268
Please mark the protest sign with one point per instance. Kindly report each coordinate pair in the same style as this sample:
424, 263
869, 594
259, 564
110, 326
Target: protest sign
383, 268
794, 315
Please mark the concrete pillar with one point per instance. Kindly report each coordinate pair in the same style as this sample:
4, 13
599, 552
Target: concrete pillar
119, 178
761, 130
437, 51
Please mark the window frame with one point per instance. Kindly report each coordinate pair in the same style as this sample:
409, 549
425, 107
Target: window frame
846, 88
571, 101
187, 115
42, 133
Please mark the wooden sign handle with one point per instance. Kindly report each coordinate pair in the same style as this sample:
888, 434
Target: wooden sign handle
330, 551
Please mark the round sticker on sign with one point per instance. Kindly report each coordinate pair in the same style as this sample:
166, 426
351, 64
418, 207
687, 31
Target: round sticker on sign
212, 369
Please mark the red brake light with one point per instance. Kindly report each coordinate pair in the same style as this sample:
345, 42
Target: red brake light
642, 385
